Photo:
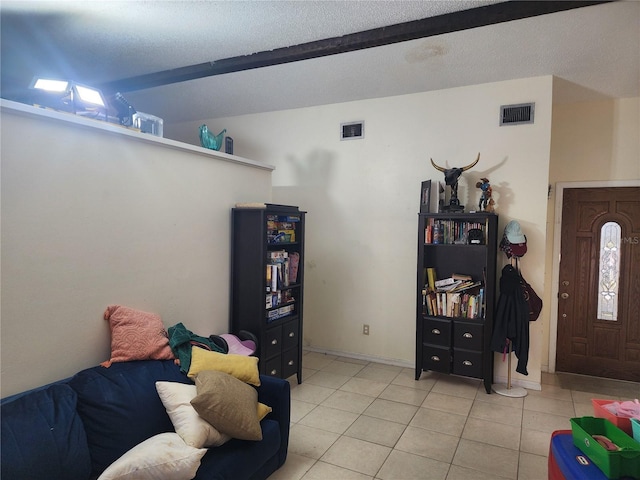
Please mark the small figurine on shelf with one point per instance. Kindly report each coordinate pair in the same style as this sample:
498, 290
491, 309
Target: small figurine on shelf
209, 140
486, 202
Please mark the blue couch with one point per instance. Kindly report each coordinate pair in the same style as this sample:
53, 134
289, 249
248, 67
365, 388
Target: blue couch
74, 429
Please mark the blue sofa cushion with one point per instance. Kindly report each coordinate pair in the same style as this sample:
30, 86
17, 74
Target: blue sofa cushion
120, 406
231, 459
43, 436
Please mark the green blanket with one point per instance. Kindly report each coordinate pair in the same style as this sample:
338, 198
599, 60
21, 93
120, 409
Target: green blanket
182, 340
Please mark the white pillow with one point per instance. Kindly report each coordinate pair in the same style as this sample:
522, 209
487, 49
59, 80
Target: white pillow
194, 430
164, 456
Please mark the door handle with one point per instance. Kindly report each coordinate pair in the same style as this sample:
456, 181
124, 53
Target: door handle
564, 295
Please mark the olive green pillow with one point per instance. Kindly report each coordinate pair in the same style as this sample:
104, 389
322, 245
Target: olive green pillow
229, 404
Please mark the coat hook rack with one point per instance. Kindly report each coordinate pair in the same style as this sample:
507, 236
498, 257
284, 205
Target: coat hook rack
507, 390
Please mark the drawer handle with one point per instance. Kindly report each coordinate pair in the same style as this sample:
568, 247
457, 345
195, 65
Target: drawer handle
435, 358
435, 331
291, 334
467, 363
274, 371
467, 335
274, 342
290, 362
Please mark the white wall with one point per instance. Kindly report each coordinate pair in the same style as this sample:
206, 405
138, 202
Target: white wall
362, 197
93, 216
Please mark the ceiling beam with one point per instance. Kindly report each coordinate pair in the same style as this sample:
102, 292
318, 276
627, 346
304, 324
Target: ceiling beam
401, 32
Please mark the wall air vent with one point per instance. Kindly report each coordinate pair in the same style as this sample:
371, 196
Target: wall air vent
351, 131
516, 114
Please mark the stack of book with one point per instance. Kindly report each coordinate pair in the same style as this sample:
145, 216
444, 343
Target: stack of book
282, 228
456, 296
280, 312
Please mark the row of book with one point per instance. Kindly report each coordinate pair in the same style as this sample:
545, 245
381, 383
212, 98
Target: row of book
458, 295
450, 231
454, 304
282, 269
281, 297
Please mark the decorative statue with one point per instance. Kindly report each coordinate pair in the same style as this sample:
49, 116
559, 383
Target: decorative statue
486, 202
208, 140
451, 176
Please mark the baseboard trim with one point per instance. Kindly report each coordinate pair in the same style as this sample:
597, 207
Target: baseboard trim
404, 364
359, 356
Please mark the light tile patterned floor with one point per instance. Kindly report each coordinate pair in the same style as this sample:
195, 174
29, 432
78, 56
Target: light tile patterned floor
358, 420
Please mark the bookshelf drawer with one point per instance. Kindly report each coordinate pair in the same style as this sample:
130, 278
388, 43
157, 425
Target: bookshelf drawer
467, 363
290, 334
437, 359
468, 335
273, 342
289, 362
437, 331
273, 367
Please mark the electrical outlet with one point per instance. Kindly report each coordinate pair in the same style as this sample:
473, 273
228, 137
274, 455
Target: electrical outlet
365, 329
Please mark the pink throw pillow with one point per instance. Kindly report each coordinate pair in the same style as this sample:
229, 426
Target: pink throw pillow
136, 335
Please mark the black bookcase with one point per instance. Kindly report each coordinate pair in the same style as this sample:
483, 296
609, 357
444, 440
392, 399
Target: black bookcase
450, 338
267, 284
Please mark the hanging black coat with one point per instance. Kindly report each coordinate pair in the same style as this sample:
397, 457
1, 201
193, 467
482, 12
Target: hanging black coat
512, 319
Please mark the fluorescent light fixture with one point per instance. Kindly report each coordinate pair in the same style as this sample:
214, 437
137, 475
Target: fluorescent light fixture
69, 96
89, 95
51, 85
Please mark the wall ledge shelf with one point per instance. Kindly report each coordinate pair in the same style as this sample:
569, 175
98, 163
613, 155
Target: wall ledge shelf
70, 118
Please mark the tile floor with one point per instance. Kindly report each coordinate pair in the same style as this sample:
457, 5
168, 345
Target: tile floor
358, 420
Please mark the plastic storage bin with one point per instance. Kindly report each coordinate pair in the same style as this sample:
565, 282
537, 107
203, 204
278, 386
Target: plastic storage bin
623, 423
635, 429
614, 464
566, 462
148, 123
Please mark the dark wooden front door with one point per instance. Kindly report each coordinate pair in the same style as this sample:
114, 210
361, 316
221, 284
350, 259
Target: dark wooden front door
600, 340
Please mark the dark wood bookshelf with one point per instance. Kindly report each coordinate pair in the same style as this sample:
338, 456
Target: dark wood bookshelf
278, 330
456, 344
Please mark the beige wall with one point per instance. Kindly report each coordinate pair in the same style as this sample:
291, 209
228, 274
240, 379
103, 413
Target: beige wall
363, 197
590, 142
90, 217
94, 215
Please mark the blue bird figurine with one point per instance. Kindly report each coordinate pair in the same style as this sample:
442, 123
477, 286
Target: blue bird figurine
208, 140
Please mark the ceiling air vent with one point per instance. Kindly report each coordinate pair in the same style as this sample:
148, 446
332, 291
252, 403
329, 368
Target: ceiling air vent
516, 114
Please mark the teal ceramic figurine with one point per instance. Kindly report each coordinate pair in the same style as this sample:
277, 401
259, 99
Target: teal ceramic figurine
208, 140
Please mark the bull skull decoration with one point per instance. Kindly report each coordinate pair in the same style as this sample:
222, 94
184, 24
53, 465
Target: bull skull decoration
451, 176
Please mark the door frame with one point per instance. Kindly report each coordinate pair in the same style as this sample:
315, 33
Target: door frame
557, 232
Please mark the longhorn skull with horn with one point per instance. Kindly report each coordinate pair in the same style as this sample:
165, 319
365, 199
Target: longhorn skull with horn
451, 176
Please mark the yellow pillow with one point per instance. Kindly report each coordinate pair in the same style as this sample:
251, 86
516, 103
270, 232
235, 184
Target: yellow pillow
263, 410
242, 367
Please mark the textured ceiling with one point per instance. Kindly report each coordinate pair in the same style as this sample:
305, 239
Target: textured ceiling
595, 50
